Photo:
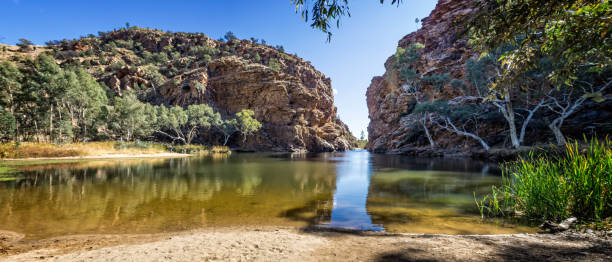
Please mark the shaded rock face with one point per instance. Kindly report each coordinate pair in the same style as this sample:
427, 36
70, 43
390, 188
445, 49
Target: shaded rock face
391, 128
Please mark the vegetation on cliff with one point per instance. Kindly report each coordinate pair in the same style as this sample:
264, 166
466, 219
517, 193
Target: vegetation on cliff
137, 83
55, 104
495, 81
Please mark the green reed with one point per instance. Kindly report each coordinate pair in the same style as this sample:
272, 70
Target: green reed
577, 182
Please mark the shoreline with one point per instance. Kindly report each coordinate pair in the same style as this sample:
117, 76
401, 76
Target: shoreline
99, 157
275, 243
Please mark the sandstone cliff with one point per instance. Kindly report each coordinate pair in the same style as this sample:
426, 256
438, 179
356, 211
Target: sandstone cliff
394, 129
391, 126
292, 100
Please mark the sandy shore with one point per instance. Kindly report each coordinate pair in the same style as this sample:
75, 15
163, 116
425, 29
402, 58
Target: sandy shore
292, 244
108, 156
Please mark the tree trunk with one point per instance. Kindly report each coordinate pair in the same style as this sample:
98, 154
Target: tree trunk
51, 123
555, 127
468, 134
432, 143
511, 121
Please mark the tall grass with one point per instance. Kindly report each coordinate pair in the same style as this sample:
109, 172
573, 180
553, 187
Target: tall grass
576, 183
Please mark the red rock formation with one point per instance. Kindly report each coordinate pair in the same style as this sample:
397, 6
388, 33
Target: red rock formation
445, 52
294, 102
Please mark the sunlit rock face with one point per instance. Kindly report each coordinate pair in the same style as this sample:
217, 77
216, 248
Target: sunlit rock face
292, 100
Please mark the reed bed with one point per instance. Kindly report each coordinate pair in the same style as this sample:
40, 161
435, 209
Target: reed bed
577, 182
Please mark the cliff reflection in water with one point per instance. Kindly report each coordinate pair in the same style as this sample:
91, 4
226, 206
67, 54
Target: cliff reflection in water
157, 196
349, 190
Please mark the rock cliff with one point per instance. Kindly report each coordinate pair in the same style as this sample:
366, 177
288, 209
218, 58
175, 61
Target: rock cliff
292, 100
391, 127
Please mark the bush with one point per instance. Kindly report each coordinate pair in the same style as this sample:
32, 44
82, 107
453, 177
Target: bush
274, 65
576, 183
116, 66
203, 50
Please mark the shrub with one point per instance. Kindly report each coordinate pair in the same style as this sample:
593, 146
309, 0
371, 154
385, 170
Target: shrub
116, 65
203, 50
274, 64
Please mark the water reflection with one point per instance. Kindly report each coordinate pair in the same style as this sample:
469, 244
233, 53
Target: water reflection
350, 197
350, 190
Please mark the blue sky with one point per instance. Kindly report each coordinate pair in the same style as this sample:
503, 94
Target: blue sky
356, 53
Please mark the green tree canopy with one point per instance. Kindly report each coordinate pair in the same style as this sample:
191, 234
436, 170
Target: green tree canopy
246, 123
7, 125
575, 33
10, 85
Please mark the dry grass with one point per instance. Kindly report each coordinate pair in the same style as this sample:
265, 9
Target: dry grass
38, 150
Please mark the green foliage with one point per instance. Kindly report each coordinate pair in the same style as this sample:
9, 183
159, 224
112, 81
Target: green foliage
184, 125
25, 44
439, 107
116, 65
437, 81
458, 84
322, 14
10, 84
83, 98
577, 183
230, 36
204, 51
127, 44
408, 55
7, 125
479, 72
128, 118
274, 64
575, 33
246, 123
257, 58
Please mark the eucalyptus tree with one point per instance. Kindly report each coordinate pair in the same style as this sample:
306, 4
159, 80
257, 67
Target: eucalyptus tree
7, 125
51, 88
10, 85
128, 118
446, 117
566, 100
575, 33
184, 125
84, 100
246, 123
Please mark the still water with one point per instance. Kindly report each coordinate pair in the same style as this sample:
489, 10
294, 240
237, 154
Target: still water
355, 190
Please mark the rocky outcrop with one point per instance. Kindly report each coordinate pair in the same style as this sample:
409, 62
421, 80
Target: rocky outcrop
296, 109
293, 101
392, 128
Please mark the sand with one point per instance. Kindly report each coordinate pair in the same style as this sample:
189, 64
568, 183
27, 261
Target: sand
294, 244
108, 156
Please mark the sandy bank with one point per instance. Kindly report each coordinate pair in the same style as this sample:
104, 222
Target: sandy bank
108, 156
291, 244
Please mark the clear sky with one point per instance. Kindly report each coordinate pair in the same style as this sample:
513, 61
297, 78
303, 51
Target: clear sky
356, 53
